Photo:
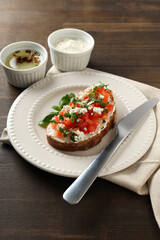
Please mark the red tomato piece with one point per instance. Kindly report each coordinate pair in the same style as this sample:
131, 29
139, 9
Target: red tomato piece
91, 128
71, 104
89, 121
109, 107
109, 92
97, 115
86, 97
57, 119
85, 116
53, 125
68, 123
58, 134
62, 112
97, 104
78, 105
105, 116
81, 124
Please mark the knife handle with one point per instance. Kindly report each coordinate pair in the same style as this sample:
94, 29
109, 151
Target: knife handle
80, 186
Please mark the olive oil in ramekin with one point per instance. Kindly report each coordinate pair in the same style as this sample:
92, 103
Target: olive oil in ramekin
23, 59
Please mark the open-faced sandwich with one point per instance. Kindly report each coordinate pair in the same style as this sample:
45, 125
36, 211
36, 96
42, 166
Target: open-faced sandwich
81, 122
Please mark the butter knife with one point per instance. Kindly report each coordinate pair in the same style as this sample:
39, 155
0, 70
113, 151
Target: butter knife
80, 186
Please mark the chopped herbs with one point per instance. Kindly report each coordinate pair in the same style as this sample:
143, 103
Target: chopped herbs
72, 137
100, 85
67, 114
101, 102
75, 100
73, 117
105, 110
64, 131
61, 117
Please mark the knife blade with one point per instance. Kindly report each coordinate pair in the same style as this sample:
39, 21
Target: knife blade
125, 126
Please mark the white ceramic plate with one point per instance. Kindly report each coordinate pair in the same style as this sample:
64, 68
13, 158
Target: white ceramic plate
35, 103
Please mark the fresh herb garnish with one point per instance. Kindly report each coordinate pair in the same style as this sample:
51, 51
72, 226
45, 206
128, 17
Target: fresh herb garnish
65, 100
56, 108
47, 119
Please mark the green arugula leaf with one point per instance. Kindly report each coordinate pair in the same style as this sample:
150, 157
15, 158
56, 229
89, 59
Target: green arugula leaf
56, 108
64, 101
71, 95
44, 123
54, 121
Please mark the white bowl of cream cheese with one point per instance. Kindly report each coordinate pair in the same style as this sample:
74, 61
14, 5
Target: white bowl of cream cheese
70, 49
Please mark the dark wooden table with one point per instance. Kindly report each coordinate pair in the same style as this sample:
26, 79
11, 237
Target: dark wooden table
127, 36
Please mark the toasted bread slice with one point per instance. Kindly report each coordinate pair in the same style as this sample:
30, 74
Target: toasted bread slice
84, 121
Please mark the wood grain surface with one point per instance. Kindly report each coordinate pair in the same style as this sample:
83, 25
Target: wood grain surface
127, 43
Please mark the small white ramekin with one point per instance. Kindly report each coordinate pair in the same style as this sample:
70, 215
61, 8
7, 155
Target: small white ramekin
23, 78
70, 61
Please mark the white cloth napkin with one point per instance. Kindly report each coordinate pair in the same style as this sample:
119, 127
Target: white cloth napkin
143, 177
